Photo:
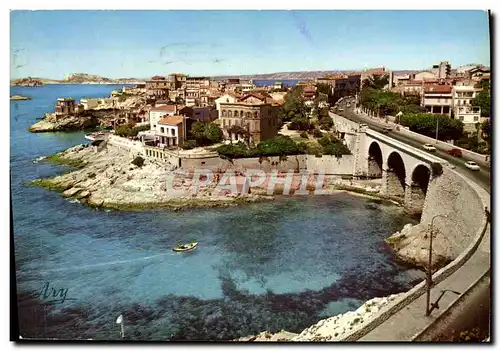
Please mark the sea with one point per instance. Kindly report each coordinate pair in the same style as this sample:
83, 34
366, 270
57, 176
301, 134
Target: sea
277, 265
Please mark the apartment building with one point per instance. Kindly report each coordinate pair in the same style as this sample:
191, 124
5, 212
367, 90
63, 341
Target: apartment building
438, 99
463, 108
256, 117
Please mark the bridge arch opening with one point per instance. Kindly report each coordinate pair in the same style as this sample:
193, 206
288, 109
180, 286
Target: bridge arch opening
415, 195
420, 177
375, 160
396, 175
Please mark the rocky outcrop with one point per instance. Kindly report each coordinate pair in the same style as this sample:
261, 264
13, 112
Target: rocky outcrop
411, 245
336, 328
19, 98
102, 116
27, 82
53, 123
107, 178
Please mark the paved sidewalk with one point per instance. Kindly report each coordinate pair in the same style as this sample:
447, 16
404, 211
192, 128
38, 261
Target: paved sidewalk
411, 320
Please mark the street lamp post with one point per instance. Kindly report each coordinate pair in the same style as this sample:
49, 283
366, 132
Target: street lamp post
429, 267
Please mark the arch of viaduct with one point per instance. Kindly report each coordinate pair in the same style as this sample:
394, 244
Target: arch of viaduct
405, 171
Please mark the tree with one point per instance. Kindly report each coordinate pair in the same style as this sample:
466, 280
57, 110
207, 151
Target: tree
485, 131
206, 133
483, 98
213, 134
376, 81
426, 124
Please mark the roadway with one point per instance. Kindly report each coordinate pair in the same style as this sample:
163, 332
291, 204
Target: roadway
481, 177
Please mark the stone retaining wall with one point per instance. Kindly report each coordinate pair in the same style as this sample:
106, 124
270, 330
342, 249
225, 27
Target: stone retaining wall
467, 235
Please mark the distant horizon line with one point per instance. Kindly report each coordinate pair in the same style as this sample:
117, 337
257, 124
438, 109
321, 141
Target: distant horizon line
243, 74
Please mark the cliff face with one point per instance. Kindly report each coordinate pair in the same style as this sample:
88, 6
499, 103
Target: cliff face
51, 123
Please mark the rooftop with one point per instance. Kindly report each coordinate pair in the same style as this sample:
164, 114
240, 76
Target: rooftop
171, 120
438, 89
170, 108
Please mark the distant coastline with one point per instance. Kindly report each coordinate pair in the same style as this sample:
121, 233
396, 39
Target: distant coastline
84, 78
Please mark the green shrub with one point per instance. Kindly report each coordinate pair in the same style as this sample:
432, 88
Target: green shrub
189, 144
304, 135
317, 133
138, 161
326, 123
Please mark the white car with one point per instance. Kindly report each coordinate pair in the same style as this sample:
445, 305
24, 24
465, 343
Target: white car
429, 147
472, 165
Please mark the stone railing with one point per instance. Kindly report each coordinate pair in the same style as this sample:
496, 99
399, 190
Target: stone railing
126, 144
482, 200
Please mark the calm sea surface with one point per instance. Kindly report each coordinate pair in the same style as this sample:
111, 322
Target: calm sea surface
280, 265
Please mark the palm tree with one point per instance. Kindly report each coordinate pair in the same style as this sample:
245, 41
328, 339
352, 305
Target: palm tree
376, 81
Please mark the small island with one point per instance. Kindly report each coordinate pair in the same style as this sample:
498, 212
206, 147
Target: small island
19, 98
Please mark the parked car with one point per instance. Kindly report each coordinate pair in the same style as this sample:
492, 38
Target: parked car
455, 152
429, 147
472, 165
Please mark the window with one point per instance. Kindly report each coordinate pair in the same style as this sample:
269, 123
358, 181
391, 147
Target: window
248, 114
224, 113
154, 125
173, 132
236, 114
476, 118
162, 130
230, 113
461, 118
255, 114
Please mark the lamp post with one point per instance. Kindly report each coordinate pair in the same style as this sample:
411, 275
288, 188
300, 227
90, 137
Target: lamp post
429, 268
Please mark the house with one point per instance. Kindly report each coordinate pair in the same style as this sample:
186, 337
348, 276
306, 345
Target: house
232, 98
192, 97
441, 71
425, 75
309, 92
65, 106
159, 103
252, 115
158, 87
438, 99
479, 72
157, 113
177, 81
199, 113
170, 131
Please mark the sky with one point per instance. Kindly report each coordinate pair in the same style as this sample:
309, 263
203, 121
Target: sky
140, 44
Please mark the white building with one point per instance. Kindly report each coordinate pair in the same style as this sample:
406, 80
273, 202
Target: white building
463, 108
170, 131
157, 113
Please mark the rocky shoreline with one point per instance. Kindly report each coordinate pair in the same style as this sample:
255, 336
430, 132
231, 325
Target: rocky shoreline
336, 328
89, 119
108, 179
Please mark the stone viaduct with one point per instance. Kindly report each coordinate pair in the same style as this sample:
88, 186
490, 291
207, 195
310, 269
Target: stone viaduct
405, 170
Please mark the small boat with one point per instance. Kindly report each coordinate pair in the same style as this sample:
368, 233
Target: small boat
185, 247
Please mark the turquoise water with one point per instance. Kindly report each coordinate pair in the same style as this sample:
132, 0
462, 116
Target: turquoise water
279, 265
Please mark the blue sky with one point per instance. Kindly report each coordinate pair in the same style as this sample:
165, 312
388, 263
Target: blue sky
116, 44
